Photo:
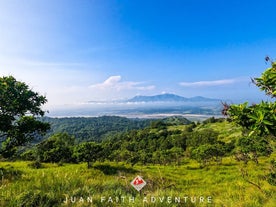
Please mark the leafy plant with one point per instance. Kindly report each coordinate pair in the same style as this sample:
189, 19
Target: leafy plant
268, 79
259, 118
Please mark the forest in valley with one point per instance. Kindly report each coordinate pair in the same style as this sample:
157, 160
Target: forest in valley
164, 141
93, 128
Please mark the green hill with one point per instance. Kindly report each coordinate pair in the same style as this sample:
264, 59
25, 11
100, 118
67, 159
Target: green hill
98, 128
93, 128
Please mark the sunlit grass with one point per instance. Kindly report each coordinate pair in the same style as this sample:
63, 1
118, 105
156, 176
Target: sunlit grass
227, 130
50, 185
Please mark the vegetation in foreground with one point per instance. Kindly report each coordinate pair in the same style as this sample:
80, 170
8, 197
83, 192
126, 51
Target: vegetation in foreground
108, 184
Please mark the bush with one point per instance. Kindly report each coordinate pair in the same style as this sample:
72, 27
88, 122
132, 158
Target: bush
36, 164
29, 155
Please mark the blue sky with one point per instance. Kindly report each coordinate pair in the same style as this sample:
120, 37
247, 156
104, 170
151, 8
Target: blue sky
83, 50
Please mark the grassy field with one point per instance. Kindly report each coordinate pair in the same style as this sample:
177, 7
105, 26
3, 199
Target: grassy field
227, 130
108, 184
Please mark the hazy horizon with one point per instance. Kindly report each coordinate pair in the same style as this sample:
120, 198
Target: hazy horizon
140, 109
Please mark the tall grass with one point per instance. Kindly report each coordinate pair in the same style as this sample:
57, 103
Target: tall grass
108, 184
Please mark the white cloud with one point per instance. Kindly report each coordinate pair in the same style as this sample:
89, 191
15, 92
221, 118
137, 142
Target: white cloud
111, 82
209, 83
116, 83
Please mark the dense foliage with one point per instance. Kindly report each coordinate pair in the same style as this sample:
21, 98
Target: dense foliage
58, 148
88, 152
93, 128
19, 107
162, 142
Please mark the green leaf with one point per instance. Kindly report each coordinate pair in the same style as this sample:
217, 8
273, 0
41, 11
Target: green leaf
253, 117
268, 122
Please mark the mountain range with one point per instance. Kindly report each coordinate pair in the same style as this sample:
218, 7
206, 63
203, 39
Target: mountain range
167, 97
160, 105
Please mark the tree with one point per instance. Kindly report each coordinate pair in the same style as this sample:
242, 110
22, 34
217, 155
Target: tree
175, 154
205, 136
19, 109
88, 152
207, 152
57, 148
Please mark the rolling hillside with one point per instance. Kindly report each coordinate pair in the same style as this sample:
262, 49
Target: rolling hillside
98, 128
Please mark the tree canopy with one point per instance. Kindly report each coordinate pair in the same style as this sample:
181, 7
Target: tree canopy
19, 107
57, 148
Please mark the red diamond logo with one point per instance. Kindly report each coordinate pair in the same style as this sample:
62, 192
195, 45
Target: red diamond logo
138, 183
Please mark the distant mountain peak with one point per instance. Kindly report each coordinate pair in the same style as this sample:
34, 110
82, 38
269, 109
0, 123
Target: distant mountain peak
168, 97
201, 98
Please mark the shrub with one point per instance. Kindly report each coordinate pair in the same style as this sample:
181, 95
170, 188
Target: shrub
36, 164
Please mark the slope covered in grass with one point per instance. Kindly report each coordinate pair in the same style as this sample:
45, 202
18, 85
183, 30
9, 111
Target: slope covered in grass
108, 184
